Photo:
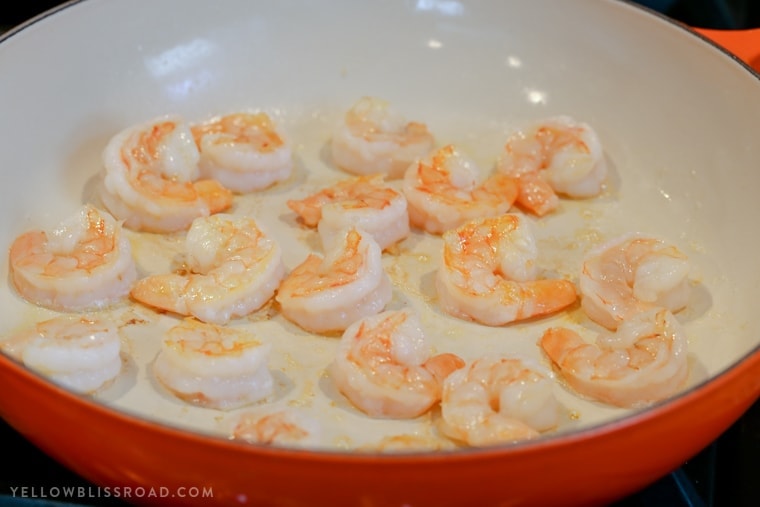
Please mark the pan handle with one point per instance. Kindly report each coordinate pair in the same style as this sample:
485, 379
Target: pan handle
745, 44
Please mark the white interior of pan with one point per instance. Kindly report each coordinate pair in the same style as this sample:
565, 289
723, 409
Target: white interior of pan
677, 117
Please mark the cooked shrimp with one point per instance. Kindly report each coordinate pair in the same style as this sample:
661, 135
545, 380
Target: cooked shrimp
85, 263
375, 139
384, 366
443, 191
232, 269
488, 272
555, 155
151, 172
642, 362
329, 293
631, 273
244, 152
366, 202
79, 352
285, 427
408, 442
214, 366
497, 399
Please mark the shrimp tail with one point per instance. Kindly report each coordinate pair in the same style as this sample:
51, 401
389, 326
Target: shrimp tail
543, 297
559, 343
165, 292
508, 186
309, 210
443, 365
536, 195
216, 197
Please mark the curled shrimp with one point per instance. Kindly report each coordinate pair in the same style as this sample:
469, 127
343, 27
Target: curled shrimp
242, 151
488, 271
324, 294
366, 202
631, 273
644, 361
375, 139
213, 366
79, 352
557, 155
151, 178
85, 263
443, 191
498, 399
385, 368
284, 427
232, 268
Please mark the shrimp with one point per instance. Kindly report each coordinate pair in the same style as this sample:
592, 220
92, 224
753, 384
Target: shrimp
374, 139
498, 399
244, 152
644, 361
233, 268
384, 366
85, 263
151, 178
631, 273
365, 202
79, 352
214, 366
443, 192
488, 272
408, 442
557, 155
285, 427
329, 293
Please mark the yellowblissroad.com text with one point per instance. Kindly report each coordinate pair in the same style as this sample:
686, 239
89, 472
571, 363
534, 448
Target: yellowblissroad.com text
124, 492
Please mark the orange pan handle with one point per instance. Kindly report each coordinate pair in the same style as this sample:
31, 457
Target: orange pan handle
745, 44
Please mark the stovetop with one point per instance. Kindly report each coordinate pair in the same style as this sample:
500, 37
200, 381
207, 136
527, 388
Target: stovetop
726, 473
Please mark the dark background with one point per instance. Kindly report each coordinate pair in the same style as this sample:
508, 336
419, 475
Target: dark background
724, 14
726, 473
720, 14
